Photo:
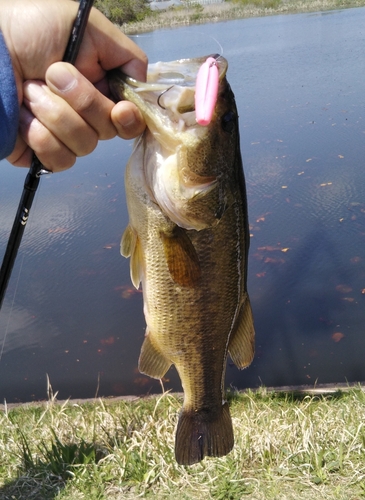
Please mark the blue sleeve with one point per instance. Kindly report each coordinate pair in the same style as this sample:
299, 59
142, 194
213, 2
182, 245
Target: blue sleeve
9, 107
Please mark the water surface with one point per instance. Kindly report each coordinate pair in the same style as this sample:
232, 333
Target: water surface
71, 312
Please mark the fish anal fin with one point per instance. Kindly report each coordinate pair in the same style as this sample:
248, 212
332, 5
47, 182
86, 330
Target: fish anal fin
203, 433
181, 257
241, 345
151, 361
130, 246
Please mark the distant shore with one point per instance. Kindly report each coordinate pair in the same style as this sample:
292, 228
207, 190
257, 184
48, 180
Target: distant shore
198, 14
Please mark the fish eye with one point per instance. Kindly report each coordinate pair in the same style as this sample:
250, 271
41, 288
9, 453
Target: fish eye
228, 121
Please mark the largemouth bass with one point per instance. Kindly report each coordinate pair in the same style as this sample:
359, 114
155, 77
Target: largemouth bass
188, 241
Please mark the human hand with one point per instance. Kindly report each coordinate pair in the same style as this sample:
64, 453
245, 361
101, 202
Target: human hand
65, 110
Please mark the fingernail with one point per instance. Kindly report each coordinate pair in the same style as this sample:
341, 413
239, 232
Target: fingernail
129, 119
61, 77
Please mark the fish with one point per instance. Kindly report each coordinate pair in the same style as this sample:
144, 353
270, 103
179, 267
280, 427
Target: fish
188, 240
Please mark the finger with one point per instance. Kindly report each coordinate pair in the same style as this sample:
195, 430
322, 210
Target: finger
103, 46
51, 152
95, 108
21, 156
127, 119
110, 49
59, 118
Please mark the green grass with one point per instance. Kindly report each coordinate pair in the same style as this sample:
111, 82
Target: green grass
288, 446
193, 13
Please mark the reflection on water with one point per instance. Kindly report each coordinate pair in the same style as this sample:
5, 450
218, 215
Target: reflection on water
71, 312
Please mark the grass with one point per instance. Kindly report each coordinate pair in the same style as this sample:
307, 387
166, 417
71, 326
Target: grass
288, 446
193, 13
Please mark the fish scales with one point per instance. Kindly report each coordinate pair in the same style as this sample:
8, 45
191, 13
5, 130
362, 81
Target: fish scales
188, 241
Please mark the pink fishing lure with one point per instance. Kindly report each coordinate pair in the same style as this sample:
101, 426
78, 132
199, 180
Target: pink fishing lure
206, 91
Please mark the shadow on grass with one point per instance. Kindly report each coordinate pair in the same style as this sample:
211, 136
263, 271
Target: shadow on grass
298, 396
43, 477
32, 485
293, 396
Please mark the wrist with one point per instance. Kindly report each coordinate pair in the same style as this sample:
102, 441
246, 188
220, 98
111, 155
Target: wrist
9, 97
6, 20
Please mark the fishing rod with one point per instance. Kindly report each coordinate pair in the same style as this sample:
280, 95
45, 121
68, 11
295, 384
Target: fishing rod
36, 169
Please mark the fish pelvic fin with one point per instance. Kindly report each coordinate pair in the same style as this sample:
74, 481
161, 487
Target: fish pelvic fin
128, 241
130, 247
203, 433
181, 257
241, 345
151, 361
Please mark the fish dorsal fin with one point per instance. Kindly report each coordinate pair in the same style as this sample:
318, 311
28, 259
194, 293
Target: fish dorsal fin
130, 246
241, 345
181, 257
151, 361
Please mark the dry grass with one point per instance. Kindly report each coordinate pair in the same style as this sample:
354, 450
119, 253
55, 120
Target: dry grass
235, 9
288, 446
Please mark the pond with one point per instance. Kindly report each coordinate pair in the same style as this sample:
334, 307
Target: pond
71, 312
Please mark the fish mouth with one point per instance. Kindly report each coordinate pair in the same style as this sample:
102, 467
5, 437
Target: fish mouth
167, 98
163, 75
172, 136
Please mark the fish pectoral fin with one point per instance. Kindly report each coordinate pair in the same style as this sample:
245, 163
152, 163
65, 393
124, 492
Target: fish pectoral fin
241, 345
181, 257
130, 247
203, 433
151, 361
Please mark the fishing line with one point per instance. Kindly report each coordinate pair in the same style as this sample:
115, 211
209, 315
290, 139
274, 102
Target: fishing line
11, 309
17, 281
217, 42
205, 35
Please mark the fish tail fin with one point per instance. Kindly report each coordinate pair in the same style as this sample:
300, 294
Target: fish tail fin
203, 433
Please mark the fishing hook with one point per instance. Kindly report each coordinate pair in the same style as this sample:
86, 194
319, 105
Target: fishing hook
162, 93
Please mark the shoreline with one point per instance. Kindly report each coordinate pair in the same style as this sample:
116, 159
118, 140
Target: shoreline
307, 389
229, 11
